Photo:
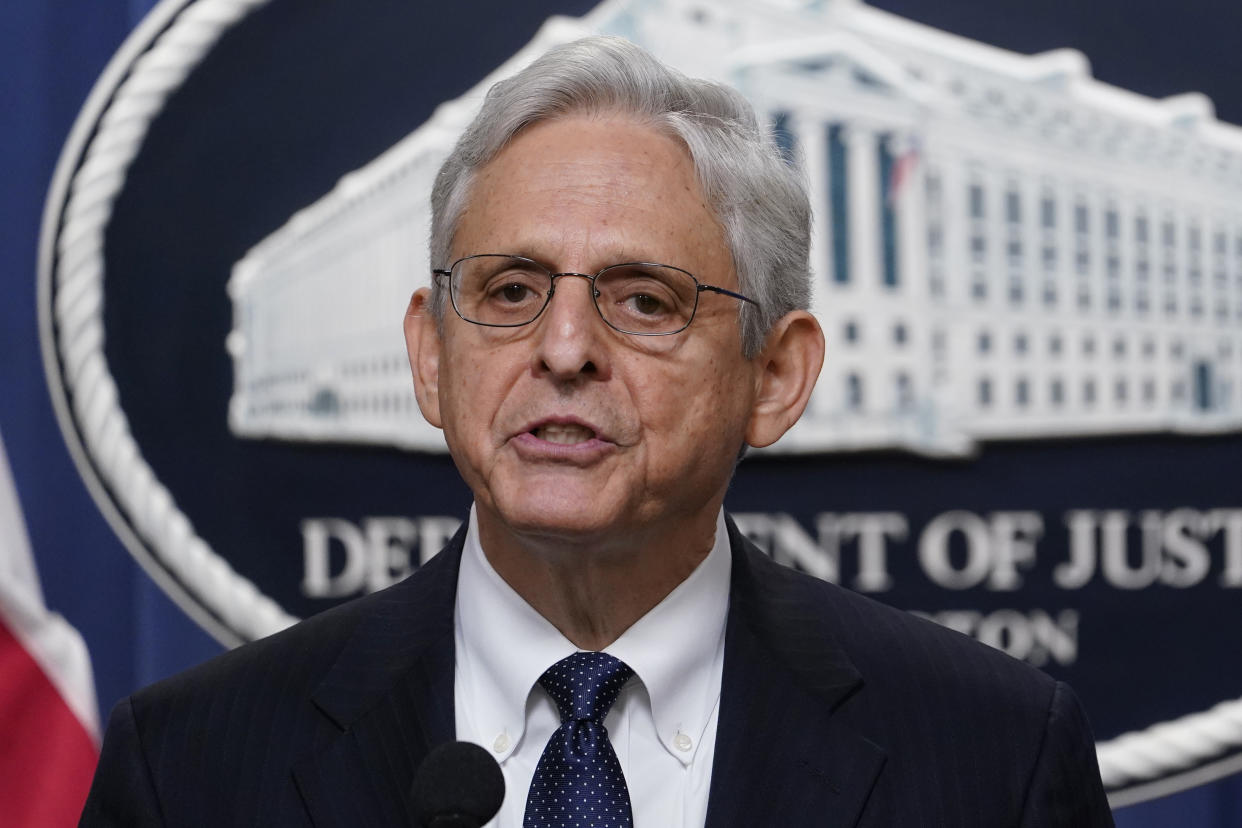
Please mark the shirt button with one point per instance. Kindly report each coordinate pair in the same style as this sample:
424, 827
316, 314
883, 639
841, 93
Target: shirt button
501, 744
682, 742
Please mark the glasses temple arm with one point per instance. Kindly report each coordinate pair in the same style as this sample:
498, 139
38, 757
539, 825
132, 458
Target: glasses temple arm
727, 292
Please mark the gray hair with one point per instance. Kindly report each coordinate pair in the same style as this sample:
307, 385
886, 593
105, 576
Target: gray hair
757, 196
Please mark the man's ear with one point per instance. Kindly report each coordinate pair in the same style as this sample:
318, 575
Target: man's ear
787, 366
422, 344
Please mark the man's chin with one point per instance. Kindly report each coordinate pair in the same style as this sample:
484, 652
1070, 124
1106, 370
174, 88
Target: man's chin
579, 524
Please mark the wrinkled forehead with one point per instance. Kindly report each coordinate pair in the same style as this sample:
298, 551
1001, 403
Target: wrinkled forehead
592, 190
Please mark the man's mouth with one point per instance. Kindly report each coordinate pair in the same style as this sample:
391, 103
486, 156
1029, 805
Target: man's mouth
563, 434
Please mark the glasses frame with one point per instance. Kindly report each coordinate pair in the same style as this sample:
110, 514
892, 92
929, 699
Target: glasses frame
595, 294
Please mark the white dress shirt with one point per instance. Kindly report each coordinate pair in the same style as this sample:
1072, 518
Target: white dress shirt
663, 724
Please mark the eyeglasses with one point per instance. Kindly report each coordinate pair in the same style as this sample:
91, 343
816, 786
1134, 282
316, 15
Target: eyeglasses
640, 298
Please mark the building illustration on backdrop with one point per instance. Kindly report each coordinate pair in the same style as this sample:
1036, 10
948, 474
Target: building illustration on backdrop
1004, 247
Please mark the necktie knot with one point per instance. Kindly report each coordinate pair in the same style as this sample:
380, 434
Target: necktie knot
585, 685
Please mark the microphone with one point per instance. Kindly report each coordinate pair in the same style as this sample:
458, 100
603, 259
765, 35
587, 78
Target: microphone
458, 785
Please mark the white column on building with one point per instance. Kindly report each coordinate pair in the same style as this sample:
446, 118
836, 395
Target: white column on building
911, 214
864, 192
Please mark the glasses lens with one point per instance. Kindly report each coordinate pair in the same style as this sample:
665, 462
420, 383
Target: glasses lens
646, 298
499, 290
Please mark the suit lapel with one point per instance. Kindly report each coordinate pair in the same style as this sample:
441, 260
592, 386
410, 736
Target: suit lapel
781, 759
390, 697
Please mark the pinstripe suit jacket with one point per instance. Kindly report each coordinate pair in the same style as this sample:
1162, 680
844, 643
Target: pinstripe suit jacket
835, 711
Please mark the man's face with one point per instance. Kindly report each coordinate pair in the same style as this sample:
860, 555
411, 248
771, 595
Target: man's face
565, 428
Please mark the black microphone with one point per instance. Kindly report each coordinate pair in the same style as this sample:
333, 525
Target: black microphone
458, 785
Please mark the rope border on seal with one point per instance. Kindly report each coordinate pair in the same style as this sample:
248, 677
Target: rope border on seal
148, 68
161, 65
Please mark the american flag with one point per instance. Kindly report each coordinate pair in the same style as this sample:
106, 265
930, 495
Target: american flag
903, 170
49, 729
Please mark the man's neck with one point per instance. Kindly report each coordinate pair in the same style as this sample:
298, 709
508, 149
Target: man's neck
590, 591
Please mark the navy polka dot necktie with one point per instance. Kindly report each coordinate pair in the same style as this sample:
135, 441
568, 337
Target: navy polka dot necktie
578, 782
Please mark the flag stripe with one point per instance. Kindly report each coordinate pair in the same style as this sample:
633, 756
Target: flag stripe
47, 757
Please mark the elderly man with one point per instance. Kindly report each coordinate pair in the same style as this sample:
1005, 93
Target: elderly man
617, 311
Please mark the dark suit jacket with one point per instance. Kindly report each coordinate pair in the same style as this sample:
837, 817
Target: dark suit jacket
835, 711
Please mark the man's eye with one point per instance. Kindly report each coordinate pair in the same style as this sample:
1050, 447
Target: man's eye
645, 304
514, 292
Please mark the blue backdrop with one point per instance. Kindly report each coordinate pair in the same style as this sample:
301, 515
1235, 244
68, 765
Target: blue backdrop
51, 54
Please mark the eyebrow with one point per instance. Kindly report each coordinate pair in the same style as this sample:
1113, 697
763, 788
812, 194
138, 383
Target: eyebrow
625, 257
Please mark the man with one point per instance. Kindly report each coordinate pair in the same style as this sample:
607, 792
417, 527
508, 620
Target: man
618, 310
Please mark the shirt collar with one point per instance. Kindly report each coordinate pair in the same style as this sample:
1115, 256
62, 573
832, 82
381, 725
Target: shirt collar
676, 649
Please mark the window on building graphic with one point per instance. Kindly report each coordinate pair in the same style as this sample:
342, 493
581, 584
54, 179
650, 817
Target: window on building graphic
1088, 392
1048, 212
1014, 249
1049, 256
1050, 294
1169, 233
1194, 238
1082, 220
1082, 260
1121, 391
1177, 391
1016, 293
1204, 398
1055, 344
931, 186
1056, 392
905, 392
935, 239
851, 331
1142, 269
1019, 344
1149, 391
1140, 229
1013, 207
899, 334
976, 201
1176, 349
1084, 298
839, 202
985, 342
1114, 300
1141, 302
979, 288
1088, 346
984, 392
1112, 225
978, 247
854, 392
1022, 393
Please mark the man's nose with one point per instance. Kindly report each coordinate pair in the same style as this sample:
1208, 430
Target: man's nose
571, 335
